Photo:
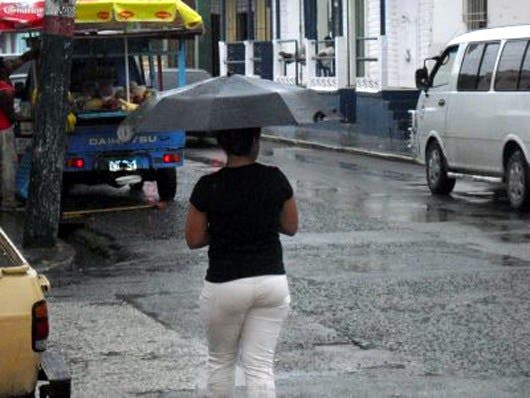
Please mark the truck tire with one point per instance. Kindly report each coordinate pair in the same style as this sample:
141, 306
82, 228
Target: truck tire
436, 170
518, 181
166, 182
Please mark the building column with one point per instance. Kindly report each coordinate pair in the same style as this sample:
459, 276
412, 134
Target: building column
383, 48
351, 39
310, 52
223, 52
249, 57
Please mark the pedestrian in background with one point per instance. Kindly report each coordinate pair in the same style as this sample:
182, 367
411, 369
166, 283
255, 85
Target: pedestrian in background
8, 155
239, 212
325, 58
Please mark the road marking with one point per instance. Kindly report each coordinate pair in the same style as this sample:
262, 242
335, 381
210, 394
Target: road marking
79, 213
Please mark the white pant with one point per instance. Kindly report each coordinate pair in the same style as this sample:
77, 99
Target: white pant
8, 164
243, 320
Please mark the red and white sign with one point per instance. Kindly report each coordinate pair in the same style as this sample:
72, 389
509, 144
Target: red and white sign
21, 15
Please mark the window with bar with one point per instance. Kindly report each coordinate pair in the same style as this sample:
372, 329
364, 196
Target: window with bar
476, 14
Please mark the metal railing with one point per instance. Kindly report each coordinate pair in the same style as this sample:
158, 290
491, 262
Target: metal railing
363, 57
231, 50
295, 57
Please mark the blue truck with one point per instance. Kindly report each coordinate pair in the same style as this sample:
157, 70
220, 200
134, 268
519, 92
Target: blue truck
94, 153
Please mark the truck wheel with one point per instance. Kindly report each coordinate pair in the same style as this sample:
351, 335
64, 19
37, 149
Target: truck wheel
436, 169
518, 181
166, 182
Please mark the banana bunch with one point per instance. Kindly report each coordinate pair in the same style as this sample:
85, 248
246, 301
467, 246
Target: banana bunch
128, 106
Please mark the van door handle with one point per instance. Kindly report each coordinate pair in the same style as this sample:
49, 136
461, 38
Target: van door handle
441, 102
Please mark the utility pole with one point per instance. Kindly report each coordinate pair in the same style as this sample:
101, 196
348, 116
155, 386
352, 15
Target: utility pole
44, 200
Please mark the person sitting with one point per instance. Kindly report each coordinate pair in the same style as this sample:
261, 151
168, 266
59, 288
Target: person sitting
326, 58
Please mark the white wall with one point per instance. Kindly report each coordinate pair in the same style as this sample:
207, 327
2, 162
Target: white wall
373, 29
447, 23
512, 12
424, 32
290, 14
402, 25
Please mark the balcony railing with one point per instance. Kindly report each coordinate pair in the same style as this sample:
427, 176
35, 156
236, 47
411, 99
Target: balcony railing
370, 65
320, 65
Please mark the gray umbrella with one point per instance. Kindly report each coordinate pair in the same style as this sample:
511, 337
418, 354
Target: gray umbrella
227, 102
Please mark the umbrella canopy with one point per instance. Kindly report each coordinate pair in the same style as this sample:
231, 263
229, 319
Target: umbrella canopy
28, 14
227, 102
103, 11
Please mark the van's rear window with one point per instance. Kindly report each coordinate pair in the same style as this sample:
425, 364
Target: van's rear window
508, 71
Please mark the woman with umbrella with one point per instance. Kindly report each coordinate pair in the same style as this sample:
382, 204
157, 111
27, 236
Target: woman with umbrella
239, 212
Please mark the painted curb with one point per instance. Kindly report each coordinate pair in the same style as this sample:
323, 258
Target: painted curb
345, 149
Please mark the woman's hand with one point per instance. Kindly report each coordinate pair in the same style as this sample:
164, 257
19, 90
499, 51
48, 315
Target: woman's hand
289, 218
196, 228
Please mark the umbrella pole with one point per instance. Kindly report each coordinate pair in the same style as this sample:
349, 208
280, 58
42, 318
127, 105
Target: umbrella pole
182, 63
34, 71
151, 67
142, 69
159, 62
127, 77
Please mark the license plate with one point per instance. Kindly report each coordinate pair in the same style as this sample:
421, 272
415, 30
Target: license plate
122, 165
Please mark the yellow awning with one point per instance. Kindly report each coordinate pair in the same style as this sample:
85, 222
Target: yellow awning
101, 11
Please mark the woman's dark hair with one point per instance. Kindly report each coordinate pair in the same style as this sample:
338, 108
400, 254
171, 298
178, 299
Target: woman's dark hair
239, 141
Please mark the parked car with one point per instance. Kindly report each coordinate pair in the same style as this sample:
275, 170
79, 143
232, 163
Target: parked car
24, 330
473, 115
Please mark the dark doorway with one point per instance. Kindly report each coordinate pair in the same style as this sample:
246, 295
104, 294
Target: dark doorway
241, 26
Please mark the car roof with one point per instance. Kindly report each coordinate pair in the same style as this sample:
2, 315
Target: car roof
505, 32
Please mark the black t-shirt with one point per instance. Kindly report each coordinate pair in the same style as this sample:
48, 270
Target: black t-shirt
243, 206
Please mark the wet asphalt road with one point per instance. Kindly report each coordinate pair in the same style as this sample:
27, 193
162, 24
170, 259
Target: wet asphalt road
394, 292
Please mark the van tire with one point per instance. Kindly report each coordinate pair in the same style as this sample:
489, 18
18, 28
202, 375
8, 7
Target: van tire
166, 182
436, 171
518, 181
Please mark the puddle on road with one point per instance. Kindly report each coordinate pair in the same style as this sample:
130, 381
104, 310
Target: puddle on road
348, 358
509, 261
515, 238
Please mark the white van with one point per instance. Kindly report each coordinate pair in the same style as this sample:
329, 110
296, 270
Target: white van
473, 114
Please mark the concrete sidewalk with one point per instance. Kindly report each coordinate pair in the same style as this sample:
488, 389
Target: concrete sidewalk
42, 260
339, 136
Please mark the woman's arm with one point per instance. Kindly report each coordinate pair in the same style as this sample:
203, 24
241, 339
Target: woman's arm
196, 228
289, 217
